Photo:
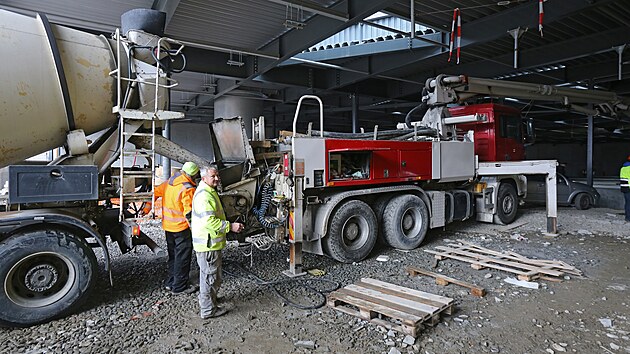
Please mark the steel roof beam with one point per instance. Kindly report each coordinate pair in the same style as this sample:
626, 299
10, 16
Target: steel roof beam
317, 29
479, 31
539, 56
314, 8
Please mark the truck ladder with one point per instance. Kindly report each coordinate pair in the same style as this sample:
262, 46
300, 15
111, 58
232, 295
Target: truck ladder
141, 118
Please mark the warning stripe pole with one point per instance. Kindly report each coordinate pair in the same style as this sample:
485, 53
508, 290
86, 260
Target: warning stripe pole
459, 34
541, 15
450, 45
456, 30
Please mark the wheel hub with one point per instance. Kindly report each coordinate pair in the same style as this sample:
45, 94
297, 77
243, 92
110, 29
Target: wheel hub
508, 204
407, 222
41, 277
352, 231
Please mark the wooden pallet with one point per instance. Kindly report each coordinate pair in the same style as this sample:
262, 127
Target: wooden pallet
525, 268
391, 306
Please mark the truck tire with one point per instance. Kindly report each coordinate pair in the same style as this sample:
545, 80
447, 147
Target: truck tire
379, 209
507, 204
405, 222
582, 201
44, 274
352, 232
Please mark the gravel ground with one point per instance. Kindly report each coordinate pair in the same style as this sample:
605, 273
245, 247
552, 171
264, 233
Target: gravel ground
588, 314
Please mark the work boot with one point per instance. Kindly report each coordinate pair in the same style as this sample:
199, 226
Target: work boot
220, 311
189, 290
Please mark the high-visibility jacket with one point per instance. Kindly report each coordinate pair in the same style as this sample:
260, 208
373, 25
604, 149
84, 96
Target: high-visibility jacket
208, 226
176, 194
624, 177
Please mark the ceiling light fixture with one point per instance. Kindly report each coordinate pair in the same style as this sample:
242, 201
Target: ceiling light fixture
233, 62
297, 22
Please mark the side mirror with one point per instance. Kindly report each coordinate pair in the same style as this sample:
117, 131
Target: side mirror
529, 134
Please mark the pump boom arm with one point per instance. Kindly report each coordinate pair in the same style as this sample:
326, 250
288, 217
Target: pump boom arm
446, 89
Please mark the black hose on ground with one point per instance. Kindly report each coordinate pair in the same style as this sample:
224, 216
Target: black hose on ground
307, 284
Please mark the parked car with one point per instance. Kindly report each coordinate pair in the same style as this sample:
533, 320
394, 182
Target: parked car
579, 195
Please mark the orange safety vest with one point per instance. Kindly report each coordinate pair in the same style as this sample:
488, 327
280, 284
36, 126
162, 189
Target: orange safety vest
177, 195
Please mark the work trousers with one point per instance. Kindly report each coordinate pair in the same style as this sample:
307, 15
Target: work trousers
210, 279
179, 257
626, 196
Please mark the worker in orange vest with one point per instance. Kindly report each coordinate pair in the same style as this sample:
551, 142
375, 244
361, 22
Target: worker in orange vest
177, 194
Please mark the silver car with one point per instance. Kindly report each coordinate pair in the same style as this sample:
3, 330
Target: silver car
579, 195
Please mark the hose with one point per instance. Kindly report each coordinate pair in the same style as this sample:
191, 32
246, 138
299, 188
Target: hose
266, 194
381, 135
309, 285
423, 107
169, 53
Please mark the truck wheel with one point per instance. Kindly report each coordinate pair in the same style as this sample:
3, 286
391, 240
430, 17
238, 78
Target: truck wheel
582, 201
507, 204
352, 232
379, 209
44, 274
405, 222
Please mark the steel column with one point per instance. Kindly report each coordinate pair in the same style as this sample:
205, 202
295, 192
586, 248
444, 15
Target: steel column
355, 113
166, 162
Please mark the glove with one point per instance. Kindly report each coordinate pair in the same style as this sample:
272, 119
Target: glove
316, 272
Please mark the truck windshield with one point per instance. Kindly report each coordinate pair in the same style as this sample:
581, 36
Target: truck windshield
511, 127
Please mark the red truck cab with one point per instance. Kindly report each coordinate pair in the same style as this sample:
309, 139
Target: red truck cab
500, 137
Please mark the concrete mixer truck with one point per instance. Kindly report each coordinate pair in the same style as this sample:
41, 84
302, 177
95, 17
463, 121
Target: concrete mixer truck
67, 85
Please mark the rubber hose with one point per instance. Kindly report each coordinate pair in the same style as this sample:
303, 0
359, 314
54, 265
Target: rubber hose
424, 107
265, 200
292, 283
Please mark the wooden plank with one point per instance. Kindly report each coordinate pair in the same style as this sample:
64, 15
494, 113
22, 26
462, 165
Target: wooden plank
472, 260
413, 292
395, 302
509, 254
367, 315
339, 305
444, 280
407, 318
483, 260
555, 280
427, 301
556, 264
391, 306
260, 143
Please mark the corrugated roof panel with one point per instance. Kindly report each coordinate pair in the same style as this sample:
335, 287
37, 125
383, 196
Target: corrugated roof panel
96, 15
232, 23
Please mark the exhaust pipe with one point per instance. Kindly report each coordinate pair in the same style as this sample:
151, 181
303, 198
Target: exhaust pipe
143, 239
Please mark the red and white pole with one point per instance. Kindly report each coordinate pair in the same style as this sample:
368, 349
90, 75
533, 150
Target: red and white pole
541, 14
450, 44
456, 25
459, 34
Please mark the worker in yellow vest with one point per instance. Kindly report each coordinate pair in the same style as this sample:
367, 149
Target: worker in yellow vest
177, 194
209, 228
624, 182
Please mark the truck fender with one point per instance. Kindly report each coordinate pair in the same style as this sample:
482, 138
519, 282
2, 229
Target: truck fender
13, 221
323, 213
